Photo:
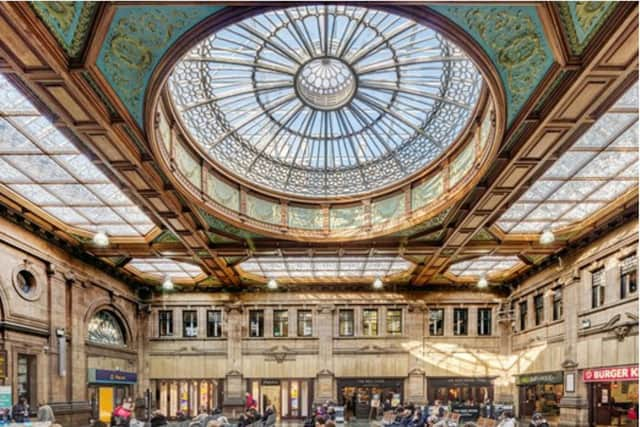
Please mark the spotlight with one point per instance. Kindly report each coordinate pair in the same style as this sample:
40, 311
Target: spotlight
272, 284
482, 283
547, 237
377, 284
100, 239
167, 285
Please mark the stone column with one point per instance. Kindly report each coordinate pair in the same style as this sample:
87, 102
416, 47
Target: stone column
413, 329
57, 301
325, 387
504, 387
234, 390
574, 410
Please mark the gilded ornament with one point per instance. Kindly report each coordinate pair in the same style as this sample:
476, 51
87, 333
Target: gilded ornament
588, 12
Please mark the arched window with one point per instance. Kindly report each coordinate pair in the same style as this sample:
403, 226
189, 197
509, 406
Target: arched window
105, 328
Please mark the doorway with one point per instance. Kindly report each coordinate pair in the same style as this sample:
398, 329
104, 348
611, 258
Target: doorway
271, 396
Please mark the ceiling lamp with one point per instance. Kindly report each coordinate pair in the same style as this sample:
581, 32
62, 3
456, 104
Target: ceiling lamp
272, 284
483, 283
167, 285
377, 284
547, 237
100, 239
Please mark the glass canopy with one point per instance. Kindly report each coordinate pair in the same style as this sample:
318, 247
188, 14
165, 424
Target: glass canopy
324, 101
325, 267
488, 265
600, 167
159, 268
41, 165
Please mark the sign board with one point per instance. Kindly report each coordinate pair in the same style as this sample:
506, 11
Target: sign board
546, 378
459, 382
620, 373
104, 376
5, 397
467, 412
270, 382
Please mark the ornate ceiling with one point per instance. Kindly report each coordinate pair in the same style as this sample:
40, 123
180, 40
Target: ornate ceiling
94, 93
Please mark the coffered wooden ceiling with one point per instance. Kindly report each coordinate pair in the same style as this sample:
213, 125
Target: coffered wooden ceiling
89, 70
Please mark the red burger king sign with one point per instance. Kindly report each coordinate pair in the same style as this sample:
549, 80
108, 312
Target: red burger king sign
619, 373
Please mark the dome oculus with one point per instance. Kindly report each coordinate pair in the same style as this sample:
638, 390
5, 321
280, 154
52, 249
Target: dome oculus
324, 101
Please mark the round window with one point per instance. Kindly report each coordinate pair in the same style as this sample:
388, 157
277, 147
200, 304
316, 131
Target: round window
26, 282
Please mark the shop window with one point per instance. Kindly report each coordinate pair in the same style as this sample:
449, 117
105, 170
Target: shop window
628, 276
394, 321
484, 321
557, 303
460, 321
345, 323
27, 379
214, 323
256, 323
305, 323
280, 323
538, 305
436, 321
523, 315
104, 328
597, 288
370, 322
165, 320
189, 323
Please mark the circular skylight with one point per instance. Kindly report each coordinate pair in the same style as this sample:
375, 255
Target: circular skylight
324, 101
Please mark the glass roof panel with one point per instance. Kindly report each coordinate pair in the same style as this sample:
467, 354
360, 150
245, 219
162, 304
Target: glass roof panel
486, 265
354, 267
159, 268
40, 164
599, 167
286, 100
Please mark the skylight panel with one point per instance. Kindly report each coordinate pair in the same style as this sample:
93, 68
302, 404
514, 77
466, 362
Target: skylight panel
159, 268
323, 267
41, 165
306, 109
487, 265
601, 166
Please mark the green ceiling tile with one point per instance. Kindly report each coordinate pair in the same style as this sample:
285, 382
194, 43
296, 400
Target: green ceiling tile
137, 38
581, 20
69, 22
513, 37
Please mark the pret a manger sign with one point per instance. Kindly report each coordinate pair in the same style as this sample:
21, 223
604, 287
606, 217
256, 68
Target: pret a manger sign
620, 373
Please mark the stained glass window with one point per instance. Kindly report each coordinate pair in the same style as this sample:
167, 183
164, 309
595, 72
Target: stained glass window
104, 328
325, 100
41, 165
600, 167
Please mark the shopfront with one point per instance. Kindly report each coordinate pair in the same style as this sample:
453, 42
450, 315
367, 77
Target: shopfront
611, 392
188, 396
108, 389
540, 393
291, 398
361, 397
463, 395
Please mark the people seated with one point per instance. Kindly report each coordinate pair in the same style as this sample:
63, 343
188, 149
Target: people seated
158, 419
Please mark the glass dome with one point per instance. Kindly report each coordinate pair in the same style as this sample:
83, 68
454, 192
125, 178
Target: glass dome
324, 101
